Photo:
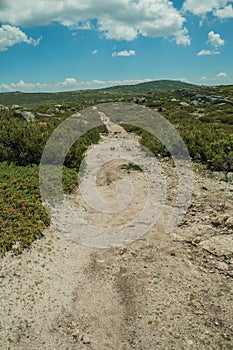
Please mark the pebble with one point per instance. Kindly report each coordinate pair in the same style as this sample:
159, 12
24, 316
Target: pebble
86, 340
75, 333
221, 266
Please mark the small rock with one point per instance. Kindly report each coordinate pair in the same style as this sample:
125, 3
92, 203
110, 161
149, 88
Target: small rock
220, 220
44, 115
122, 251
75, 333
184, 104
86, 340
221, 266
72, 324
229, 222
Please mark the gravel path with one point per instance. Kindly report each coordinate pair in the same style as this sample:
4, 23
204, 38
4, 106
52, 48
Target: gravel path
159, 292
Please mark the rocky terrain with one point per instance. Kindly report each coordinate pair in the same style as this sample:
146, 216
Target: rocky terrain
163, 291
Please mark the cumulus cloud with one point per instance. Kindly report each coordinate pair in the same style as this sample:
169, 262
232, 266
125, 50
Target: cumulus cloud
68, 84
23, 86
94, 52
219, 8
124, 53
215, 39
182, 37
222, 75
116, 19
11, 35
117, 31
208, 53
224, 13
198, 7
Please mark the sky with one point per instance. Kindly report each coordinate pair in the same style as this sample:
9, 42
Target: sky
62, 45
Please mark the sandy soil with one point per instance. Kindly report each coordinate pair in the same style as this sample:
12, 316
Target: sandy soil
160, 292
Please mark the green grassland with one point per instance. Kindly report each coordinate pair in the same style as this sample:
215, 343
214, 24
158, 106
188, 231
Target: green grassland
202, 115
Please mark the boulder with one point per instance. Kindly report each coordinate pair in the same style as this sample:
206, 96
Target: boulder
13, 107
201, 98
161, 109
26, 115
195, 103
221, 101
3, 108
140, 100
53, 110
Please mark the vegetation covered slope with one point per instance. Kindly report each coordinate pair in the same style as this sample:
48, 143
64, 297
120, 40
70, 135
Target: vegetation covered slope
9, 98
23, 218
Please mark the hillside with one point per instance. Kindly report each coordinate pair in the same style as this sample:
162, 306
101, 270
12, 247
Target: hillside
125, 91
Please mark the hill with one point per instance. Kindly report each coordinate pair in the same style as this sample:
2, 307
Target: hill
155, 85
21, 98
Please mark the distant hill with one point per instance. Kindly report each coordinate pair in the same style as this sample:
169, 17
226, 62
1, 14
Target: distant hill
156, 85
80, 96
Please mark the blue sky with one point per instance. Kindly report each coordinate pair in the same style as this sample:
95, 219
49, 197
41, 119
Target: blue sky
56, 45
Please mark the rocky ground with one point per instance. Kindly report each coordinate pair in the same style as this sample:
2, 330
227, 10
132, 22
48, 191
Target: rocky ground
163, 291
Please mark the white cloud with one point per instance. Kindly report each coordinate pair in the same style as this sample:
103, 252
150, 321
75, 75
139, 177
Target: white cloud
203, 79
116, 19
67, 84
222, 75
86, 25
182, 37
94, 52
124, 53
117, 31
23, 86
104, 83
184, 79
208, 53
219, 8
198, 7
224, 13
215, 39
11, 35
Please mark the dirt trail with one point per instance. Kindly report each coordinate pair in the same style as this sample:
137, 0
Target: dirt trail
160, 292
